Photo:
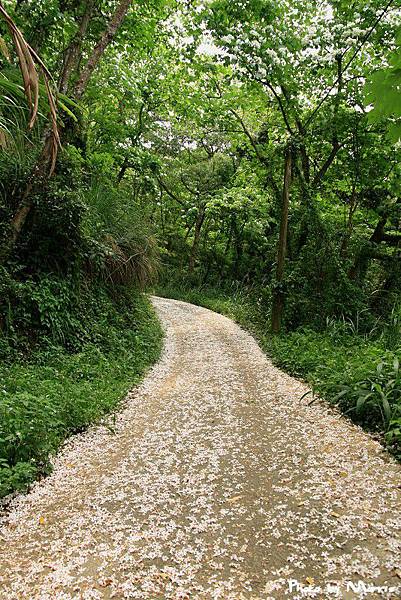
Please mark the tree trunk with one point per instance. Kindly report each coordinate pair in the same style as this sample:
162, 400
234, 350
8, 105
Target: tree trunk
98, 51
278, 294
38, 178
123, 170
72, 54
194, 250
350, 223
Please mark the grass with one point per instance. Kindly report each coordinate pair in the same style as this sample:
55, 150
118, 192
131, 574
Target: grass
56, 393
360, 374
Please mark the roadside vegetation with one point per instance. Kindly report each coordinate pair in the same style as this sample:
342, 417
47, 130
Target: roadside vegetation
56, 393
359, 373
76, 251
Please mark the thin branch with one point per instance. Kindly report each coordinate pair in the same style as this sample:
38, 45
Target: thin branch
187, 187
259, 156
168, 191
277, 97
355, 54
327, 163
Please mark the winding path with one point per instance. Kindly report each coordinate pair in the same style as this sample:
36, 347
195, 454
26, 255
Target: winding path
217, 484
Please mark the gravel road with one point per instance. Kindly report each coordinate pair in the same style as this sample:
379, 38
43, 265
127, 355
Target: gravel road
217, 483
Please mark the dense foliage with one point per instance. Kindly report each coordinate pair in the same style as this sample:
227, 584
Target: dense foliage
252, 144
58, 393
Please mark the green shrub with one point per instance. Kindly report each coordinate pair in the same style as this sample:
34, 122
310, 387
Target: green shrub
375, 401
393, 436
56, 393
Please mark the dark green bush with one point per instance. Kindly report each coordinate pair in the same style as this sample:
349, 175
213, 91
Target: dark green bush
74, 333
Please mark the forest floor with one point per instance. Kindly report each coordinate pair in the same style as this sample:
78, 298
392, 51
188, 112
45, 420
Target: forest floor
217, 482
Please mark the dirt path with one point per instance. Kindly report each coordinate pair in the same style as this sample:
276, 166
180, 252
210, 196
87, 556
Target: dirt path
219, 484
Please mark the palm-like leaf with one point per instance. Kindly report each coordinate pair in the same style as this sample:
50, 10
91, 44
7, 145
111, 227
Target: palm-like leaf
32, 67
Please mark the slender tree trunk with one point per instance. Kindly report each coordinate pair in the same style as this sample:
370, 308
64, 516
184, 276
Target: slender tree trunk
38, 177
350, 224
134, 142
195, 244
98, 51
123, 169
71, 58
278, 294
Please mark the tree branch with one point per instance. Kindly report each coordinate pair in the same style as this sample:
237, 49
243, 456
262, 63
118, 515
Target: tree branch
168, 191
350, 61
105, 39
259, 156
72, 54
327, 163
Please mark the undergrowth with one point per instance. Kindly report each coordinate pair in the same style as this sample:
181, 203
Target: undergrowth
55, 392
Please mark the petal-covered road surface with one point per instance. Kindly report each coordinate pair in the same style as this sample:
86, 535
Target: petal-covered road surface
217, 483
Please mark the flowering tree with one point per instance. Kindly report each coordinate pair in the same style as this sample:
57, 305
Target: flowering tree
309, 61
